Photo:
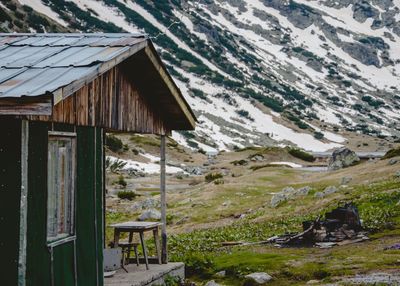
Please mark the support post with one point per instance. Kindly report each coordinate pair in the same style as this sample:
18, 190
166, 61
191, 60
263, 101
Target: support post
164, 254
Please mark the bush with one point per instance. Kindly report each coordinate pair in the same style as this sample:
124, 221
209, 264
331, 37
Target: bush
213, 176
126, 195
392, 153
318, 135
295, 152
121, 181
115, 166
113, 143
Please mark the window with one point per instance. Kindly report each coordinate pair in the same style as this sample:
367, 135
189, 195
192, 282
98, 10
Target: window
61, 186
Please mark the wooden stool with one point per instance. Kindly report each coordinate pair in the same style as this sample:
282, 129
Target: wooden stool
126, 251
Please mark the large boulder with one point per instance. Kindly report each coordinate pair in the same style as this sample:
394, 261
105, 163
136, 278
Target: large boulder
259, 277
342, 158
151, 214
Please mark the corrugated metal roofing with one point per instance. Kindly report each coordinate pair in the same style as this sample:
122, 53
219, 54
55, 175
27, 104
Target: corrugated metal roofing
37, 64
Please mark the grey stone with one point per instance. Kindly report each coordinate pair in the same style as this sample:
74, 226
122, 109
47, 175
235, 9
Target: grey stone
393, 161
397, 175
319, 195
259, 277
303, 191
330, 190
152, 214
342, 158
212, 283
288, 190
345, 180
148, 203
277, 199
221, 273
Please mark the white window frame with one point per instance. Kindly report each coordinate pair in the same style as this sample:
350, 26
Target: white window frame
69, 212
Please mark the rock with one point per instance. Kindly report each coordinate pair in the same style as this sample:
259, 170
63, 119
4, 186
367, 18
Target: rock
288, 190
303, 191
212, 283
312, 282
226, 203
221, 273
257, 157
287, 194
397, 175
151, 214
259, 277
345, 180
277, 199
342, 158
148, 203
393, 161
330, 190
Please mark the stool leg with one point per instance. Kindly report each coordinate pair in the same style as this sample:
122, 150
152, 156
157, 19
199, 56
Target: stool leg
157, 242
136, 254
144, 250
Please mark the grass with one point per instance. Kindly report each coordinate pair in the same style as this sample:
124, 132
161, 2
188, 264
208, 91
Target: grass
145, 141
204, 255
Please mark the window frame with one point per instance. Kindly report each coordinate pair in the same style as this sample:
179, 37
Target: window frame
71, 235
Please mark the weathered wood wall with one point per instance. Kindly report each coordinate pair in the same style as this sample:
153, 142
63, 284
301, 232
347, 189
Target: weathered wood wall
110, 101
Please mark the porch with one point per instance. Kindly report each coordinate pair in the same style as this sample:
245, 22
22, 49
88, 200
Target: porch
139, 276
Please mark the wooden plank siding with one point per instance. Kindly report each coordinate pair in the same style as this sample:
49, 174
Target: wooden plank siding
110, 101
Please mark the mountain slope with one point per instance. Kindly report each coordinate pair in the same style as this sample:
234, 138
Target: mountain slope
315, 74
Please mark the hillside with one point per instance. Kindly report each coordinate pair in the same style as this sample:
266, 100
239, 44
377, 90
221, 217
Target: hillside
316, 74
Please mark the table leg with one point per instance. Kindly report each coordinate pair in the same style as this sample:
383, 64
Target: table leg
157, 242
116, 238
144, 249
129, 247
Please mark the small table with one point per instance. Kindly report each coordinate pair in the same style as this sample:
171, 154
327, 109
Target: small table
139, 227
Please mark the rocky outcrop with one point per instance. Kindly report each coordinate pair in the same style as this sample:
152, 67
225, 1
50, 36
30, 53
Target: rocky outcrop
259, 277
342, 158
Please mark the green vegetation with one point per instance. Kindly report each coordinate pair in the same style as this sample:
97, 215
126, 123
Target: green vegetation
113, 143
115, 166
318, 135
127, 195
204, 255
213, 176
300, 154
392, 153
121, 181
145, 140
373, 102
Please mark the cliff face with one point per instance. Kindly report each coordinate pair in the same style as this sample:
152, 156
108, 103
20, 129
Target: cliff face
258, 72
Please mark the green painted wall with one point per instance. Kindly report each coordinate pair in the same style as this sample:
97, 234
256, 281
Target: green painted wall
10, 191
89, 180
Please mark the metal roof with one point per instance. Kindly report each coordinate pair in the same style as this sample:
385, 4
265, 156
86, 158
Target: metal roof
38, 64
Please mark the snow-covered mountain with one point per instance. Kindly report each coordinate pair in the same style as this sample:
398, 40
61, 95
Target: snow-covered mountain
258, 72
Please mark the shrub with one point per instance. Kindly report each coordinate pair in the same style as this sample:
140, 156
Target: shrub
121, 181
115, 166
219, 182
392, 153
126, 195
213, 176
318, 135
295, 152
113, 143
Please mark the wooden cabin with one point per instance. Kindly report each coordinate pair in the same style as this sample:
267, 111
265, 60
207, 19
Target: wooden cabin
59, 94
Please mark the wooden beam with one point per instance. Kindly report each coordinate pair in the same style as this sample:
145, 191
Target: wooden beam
38, 105
164, 252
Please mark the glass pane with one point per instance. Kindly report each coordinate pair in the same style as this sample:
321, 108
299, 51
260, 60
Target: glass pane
60, 187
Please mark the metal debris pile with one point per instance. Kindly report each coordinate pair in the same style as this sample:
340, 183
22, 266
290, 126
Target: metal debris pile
340, 227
